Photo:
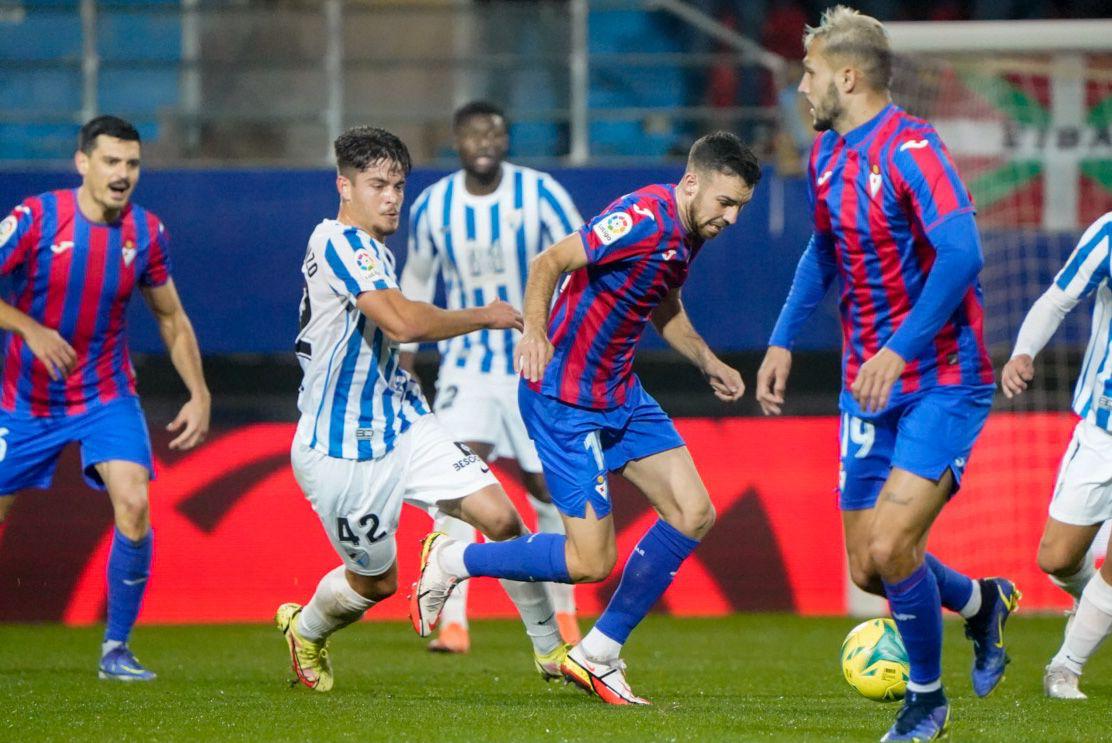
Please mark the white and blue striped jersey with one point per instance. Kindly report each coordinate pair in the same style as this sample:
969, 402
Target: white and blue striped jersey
482, 246
354, 400
1087, 270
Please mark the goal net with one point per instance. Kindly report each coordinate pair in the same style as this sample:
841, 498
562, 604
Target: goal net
1025, 109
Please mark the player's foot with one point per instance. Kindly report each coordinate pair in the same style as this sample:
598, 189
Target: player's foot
986, 630
548, 665
604, 679
1060, 682
924, 716
120, 664
569, 627
433, 585
310, 660
452, 638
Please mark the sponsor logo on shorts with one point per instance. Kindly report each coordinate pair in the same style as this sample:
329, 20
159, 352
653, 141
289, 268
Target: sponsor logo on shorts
1104, 402
364, 434
469, 458
601, 487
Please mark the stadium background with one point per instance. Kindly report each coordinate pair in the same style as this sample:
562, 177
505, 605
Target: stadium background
238, 101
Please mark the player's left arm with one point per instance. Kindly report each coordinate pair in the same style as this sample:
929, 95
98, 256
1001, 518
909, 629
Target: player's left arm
942, 206
672, 322
177, 333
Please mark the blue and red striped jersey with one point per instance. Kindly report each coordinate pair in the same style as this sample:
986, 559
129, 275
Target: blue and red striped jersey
877, 194
75, 276
637, 251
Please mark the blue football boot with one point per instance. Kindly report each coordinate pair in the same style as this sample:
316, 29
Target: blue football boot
924, 716
986, 630
120, 664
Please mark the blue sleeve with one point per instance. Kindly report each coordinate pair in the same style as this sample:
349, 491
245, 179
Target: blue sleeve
813, 276
958, 261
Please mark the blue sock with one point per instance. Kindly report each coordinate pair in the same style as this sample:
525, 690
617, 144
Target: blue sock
129, 565
917, 610
954, 588
647, 574
537, 557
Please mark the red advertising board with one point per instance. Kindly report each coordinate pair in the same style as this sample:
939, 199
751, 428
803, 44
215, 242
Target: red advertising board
235, 537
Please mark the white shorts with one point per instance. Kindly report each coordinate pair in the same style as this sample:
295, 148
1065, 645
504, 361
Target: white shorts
360, 503
483, 409
1083, 493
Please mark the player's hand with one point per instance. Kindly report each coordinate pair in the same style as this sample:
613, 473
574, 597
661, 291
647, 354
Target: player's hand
193, 422
51, 349
499, 315
874, 382
772, 379
532, 354
724, 380
1017, 373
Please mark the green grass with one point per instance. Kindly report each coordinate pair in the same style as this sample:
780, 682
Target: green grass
749, 677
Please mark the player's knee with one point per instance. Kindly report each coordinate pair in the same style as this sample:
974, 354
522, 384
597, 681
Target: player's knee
503, 525
1058, 560
866, 579
374, 587
695, 521
889, 553
132, 512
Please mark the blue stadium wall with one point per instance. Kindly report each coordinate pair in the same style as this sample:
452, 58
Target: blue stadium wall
238, 236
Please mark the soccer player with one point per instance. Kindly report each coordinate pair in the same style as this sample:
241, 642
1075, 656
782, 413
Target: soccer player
894, 223
589, 415
1082, 499
481, 226
366, 440
75, 257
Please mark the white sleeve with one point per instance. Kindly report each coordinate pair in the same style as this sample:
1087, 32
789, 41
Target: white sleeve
418, 280
557, 211
1044, 317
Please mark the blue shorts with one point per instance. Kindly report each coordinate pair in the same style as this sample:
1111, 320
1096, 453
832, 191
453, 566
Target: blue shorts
925, 433
578, 446
31, 446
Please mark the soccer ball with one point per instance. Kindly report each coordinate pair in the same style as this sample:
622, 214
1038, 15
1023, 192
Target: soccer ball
874, 660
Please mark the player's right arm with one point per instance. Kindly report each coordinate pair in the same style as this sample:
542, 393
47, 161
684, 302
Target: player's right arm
1085, 270
407, 321
534, 350
47, 345
816, 271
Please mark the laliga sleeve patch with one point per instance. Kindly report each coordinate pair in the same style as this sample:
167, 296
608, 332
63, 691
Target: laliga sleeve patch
613, 226
366, 263
7, 228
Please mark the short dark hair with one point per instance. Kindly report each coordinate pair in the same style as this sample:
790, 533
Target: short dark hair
363, 146
725, 153
110, 126
476, 108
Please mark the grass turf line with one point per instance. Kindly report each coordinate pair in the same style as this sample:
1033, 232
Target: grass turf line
745, 677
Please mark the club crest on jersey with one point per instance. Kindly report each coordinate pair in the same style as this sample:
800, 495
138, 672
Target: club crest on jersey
514, 219
874, 180
365, 262
129, 252
7, 228
613, 226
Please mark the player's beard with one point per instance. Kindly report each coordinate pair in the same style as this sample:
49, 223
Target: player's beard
828, 110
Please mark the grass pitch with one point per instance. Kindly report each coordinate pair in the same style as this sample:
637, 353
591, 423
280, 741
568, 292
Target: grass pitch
748, 677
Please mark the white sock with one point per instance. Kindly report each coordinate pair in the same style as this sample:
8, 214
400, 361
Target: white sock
973, 605
1075, 584
549, 520
531, 600
924, 688
451, 559
598, 646
455, 608
548, 516
108, 646
334, 605
1090, 625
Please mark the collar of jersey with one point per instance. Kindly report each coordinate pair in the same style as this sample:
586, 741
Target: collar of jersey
862, 134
